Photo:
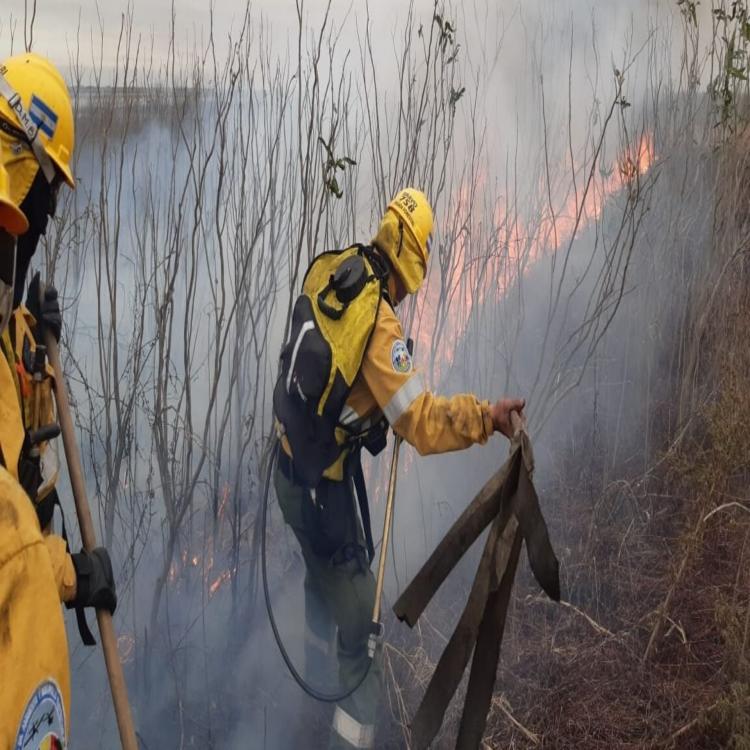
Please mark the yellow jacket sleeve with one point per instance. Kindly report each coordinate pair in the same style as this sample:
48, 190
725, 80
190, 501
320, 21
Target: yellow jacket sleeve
62, 567
33, 647
436, 424
432, 424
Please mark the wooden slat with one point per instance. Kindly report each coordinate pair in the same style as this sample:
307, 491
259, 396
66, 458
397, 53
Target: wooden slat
509, 502
476, 517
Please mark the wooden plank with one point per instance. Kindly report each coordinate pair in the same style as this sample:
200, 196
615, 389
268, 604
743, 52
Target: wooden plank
479, 513
510, 503
542, 559
455, 656
489, 641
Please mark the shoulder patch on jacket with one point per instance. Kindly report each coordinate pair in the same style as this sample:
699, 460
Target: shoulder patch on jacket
43, 721
400, 357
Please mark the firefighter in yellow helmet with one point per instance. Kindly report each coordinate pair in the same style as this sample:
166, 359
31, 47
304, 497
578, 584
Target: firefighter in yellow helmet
346, 375
36, 570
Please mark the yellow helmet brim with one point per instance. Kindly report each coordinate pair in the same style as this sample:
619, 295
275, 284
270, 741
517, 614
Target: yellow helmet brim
12, 219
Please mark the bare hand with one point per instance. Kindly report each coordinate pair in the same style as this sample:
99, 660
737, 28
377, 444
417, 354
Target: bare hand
500, 412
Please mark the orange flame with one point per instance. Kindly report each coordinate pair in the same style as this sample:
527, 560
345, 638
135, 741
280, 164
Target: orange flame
224, 576
514, 249
205, 560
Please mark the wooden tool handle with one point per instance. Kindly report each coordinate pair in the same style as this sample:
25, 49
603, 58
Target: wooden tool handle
88, 536
386, 531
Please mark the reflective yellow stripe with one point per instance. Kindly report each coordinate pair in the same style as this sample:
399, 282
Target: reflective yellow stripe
403, 398
350, 730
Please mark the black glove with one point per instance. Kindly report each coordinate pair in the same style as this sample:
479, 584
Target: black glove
46, 310
95, 583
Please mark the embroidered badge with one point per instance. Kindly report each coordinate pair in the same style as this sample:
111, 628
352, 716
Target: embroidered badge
43, 723
400, 357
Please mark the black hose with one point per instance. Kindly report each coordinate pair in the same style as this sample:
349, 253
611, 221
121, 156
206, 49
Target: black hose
309, 689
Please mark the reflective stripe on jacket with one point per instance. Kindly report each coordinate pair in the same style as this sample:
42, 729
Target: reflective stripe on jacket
388, 382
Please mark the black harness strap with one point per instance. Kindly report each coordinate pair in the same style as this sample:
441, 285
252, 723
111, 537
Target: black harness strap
83, 628
355, 469
87, 637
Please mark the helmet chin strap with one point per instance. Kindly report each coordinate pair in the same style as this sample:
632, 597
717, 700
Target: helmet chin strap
29, 127
400, 238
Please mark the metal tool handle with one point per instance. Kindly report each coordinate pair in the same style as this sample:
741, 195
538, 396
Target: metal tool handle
376, 624
88, 535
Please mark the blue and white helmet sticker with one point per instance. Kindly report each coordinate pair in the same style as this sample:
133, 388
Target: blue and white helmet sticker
400, 357
43, 723
43, 116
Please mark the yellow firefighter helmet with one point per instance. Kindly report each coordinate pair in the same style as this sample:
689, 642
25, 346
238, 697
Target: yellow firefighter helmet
35, 100
405, 234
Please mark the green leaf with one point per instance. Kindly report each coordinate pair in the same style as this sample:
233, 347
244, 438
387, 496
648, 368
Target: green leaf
343, 162
333, 186
730, 53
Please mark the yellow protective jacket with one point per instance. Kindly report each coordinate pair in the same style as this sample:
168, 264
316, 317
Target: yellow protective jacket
34, 671
387, 383
19, 347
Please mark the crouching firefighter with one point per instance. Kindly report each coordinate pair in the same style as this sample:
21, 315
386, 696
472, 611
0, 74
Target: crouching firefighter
345, 376
36, 146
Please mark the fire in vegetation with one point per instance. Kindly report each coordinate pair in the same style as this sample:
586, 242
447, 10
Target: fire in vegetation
215, 546
484, 265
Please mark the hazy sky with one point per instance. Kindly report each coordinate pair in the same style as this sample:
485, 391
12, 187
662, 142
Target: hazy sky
507, 46
56, 28
58, 21
512, 27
